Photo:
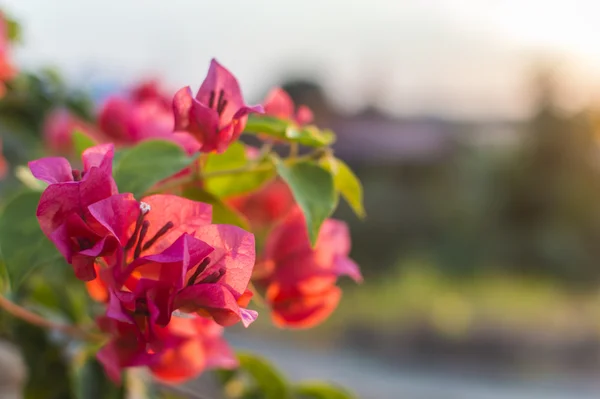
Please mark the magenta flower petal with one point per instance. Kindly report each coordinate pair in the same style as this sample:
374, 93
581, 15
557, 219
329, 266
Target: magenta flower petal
218, 114
182, 108
115, 309
125, 349
304, 115
205, 119
171, 265
215, 299
234, 253
57, 203
219, 78
243, 111
51, 170
248, 316
279, 104
83, 267
185, 215
100, 156
344, 266
116, 214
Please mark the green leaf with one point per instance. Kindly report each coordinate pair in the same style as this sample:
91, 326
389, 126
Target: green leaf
314, 191
228, 185
267, 125
310, 136
149, 162
319, 390
221, 212
267, 380
347, 184
60, 294
287, 130
24, 247
81, 142
89, 381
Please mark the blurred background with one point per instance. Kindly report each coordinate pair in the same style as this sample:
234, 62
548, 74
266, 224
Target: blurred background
473, 125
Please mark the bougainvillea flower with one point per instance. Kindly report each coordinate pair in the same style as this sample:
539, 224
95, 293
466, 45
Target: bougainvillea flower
7, 69
180, 351
208, 275
63, 212
265, 206
58, 130
300, 280
124, 349
217, 115
182, 261
305, 305
280, 105
126, 122
201, 346
149, 90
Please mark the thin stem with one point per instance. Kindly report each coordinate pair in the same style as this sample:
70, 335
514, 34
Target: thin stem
265, 150
257, 298
293, 150
203, 159
35, 319
250, 167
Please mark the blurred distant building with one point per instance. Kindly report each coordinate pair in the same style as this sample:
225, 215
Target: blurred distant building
371, 136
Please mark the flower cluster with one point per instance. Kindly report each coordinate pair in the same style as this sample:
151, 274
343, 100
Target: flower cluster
168, 277
208, 122
156, 258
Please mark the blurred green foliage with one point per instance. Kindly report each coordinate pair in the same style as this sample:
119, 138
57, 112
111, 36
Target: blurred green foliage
529, 208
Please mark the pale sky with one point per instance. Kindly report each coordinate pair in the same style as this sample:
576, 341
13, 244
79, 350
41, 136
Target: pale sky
456, 57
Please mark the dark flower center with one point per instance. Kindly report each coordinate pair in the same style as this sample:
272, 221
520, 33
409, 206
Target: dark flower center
201, 267
77, 174
84, 243
136, 240
221, 102
141, 307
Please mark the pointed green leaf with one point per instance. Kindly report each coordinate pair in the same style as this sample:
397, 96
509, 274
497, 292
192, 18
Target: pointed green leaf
141, 167
309, 135
319, 390
227, 185
314, 191
222, 213
24, 247
347, 184
268, 125
81, 142
269, 383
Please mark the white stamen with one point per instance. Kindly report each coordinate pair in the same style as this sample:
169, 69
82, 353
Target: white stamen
144, 208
